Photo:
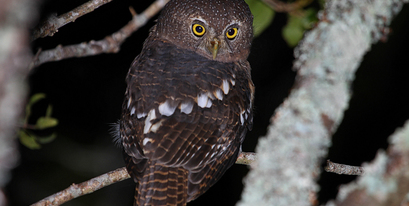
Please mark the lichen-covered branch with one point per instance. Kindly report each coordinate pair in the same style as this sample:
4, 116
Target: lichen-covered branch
386, 179
16, 17
94, 184
77, 190
51, 25
285, 171
343, 169
110, 44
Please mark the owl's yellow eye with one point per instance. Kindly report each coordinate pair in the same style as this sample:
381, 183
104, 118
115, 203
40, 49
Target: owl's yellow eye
198, 30
231, 33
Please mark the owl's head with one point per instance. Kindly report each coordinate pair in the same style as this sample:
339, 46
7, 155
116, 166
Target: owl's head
216, 29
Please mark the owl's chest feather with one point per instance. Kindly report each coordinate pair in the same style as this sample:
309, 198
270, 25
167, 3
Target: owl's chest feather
173, 67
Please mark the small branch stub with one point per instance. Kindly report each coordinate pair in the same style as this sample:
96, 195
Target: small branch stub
246, 158
342, 169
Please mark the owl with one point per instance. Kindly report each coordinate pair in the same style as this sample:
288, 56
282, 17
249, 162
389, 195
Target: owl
188, 101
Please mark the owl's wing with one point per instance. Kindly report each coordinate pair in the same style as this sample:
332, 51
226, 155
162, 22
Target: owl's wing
184, 113
200, 181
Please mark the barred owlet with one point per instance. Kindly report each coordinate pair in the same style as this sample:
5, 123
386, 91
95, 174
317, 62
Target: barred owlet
188, 102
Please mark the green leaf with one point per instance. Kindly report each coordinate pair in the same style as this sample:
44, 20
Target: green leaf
46, 122
310, 18
49, 111
33, 99
263, 15
296, 26
36, 97
321, 3
293, 31
28, 140
47, 139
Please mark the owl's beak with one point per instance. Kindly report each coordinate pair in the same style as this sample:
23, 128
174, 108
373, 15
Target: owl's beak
214, 47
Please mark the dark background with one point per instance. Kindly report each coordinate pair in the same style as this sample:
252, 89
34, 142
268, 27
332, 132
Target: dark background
87, 94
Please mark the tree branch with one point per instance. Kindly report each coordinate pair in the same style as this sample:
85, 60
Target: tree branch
16, 16
298, 138
94, 184
110, 44
51, 25
77, 190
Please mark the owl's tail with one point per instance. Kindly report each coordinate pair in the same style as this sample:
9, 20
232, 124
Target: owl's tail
162, 185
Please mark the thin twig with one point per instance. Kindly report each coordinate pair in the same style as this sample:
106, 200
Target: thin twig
77, 190
51, 25
94, 184
110, 44
342, 169
280, 6
34, 60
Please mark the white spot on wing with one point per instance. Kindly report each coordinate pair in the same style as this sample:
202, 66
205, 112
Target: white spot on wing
148, 124
166, 108
156, 126
129, 102
213, 154
219, 94
140, 115
242, 117
225, 87
209, 104
133, 110
202, 100
146, 140
210, 95
186, 107
153, 115
233, 82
